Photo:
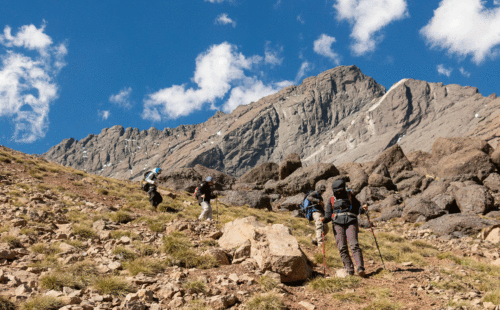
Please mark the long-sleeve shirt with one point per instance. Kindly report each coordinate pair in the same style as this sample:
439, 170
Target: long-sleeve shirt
316, 200
205, 193
151, 178
351, 207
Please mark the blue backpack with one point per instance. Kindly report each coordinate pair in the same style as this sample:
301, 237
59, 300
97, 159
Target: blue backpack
307, 208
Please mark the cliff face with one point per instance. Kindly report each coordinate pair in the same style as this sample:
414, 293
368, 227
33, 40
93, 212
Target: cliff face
338, 116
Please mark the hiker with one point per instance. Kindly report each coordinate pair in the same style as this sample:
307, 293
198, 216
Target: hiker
150, 186
204, 194
318, 213
344, 216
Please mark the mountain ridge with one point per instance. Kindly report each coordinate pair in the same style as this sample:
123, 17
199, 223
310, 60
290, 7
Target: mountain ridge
339, 116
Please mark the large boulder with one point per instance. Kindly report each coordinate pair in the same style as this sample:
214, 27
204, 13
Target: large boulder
290, 203
458, 224
303, 179
492, 182
221, 180
188, 179
254, 199
370, 195
289, 165
467, 163
474, 199
394, 160
260, 174
358, 178
443, 147
422, 209
495, 157
389, 202
272, 247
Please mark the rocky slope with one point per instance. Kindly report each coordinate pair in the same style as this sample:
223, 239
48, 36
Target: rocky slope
338, 116
72, 240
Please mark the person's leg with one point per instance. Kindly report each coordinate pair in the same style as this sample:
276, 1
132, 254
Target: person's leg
352, 238
319, 228
209, 215
341, 239
204, 210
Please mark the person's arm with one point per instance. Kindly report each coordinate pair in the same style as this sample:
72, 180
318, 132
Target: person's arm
150, 178
313, 199
328, 212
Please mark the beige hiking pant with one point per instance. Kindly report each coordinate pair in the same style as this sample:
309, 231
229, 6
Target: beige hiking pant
206, 211
319, 226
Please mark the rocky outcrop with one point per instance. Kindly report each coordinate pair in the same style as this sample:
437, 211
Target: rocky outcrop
253, 199
289, 165
457, 224
272, 247
339, 116
261, 174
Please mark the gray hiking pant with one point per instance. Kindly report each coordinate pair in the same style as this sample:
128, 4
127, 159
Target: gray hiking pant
345, 234
206, 211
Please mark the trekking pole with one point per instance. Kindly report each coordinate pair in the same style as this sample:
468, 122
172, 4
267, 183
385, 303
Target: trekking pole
324, 257
217, 207
376, 243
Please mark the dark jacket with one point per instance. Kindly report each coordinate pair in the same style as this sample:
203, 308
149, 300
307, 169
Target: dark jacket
204, 189
316, 201
341, 205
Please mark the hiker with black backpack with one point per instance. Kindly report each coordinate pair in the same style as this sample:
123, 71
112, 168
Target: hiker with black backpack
204, 194
149, 186
313, 207
343, 210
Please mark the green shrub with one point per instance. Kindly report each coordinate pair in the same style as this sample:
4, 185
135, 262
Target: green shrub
42, 303
332, 285
147, 266
83, 231
120, 217
267, 301
124, 253
12, 241
112, 285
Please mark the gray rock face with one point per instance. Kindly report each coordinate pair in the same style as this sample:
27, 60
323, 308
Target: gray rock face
289, 165
458, 224
254, 199
474, 199
339, 116
260, 174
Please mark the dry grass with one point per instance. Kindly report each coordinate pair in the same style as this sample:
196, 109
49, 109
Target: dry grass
112, 285
12, 241
42, 303
6, 304
147, 266
267, 283
269, 301
332, 285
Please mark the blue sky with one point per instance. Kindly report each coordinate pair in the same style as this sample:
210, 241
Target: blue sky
72, 68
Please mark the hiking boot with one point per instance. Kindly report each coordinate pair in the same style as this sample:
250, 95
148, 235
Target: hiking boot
314, 242
361, 272
351, 273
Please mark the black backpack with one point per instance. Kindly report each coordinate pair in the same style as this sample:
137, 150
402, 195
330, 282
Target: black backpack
145, 185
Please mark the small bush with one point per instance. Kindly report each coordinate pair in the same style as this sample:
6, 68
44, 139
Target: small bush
120, 217
194, 287
493, 297
42, 303
117, 234
6, 304
35, 174
102, 191
58, 280
174, 242
43, 248
112, 285
267, 283
84, 231
124, 253
148, 267
5, 159
157, 227
12, 241
265, 302
333, 284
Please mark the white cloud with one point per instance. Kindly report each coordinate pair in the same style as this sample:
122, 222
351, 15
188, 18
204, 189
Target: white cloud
223, 19
218, 70
103, 114
251, 90
368, 17
300, 20
444, 71
27, 85
304, 68
496, 2
465, 27
122, 99
463, 72
323, 46
272, 56
214, 1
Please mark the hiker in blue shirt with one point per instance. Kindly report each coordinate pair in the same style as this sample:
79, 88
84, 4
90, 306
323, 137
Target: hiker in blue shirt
318, 213
343, 210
